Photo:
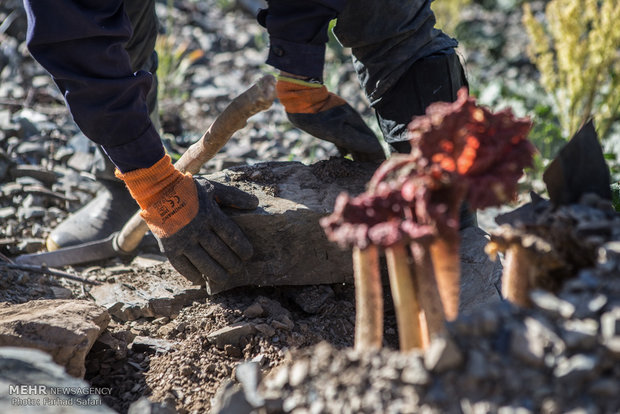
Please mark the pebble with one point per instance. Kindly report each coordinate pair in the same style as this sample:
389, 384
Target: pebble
442, 355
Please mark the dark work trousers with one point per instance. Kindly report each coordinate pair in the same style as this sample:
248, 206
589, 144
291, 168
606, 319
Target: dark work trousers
141, 50
431, 79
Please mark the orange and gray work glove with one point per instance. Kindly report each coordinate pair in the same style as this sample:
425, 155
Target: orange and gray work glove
201, 242
311, 107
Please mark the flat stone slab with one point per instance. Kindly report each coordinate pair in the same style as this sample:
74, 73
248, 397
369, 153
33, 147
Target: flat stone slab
151, 292
290, 247
65, 329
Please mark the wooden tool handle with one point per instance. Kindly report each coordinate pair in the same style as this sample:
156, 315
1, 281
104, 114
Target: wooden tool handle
257, 98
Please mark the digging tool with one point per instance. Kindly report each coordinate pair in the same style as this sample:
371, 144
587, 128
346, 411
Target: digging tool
579, 168
257, 98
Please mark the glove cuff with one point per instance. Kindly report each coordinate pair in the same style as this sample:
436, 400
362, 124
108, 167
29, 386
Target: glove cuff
167, 197
302, 97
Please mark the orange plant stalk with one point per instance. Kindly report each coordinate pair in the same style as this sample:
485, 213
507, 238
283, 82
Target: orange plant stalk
405, 299
368, 298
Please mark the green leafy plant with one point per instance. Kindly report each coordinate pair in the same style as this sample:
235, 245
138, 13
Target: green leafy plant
615, 195
575, 48
174, 60
448, 12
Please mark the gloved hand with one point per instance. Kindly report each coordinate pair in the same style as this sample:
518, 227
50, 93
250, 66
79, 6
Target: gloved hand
311, 107
201, 242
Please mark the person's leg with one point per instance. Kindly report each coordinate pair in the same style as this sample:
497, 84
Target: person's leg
435, 78
108, 211
403, 63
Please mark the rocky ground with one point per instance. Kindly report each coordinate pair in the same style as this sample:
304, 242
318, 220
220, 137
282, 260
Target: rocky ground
166, 340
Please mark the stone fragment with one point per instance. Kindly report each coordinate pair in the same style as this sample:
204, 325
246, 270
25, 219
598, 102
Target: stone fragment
265, 329
530, 342
7, 212
146, 260
283, 322
610, 323
480, 277
66, 329
605, 387
159, 294
552, 304
442, 354
230, 399
27, 213
60, 292
311, 298
414, 373
145, 406
35, 370
298, 372
253, 311
151, 345
290, 247
230, 335
577, 369
580, 333
249, 376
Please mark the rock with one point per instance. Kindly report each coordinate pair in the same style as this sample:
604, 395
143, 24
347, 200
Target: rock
66, 329
146, 260
265, 329
163, 294
442, 354
552, 304
298, 373
610, 323
531, 342
151, 345
290, 247
414, 372
49, 389
311, 298
37, 172
230, 335
230, 399
145, 406
577, 369
253, 311
7, 212
28, 213
30, 245
249, 376
283, 322
581, 334
480, 277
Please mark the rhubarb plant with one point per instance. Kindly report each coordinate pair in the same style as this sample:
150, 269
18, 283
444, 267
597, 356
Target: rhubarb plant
460, 152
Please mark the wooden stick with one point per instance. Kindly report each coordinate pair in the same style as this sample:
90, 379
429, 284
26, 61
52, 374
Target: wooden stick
447, 266
368, 299
257, 98
432, 312
405, 298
